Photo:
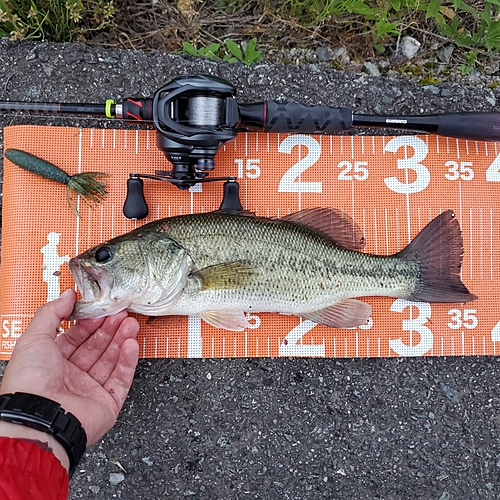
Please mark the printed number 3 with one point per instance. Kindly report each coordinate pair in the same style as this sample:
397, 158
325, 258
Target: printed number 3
420, 149
413, 324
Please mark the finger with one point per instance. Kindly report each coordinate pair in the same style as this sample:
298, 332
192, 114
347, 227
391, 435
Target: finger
120, 381
94, 347
49, 316
104, 366
75, 336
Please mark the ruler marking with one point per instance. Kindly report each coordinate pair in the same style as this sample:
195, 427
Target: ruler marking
364, 224
357, 343
453, 346
481, 243
460, 204
467, 147
470, 243
352, 147
486, 148
345, 345
334, 347
491, 243
352, 200
458, 149
257, 346
367, 347
473, 345
375, 235
463, 343
386, 232
397, 229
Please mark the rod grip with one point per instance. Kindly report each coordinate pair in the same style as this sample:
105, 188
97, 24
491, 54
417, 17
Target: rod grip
294, 117
471, 126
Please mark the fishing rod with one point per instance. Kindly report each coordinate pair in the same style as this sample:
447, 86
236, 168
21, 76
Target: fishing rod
196, 115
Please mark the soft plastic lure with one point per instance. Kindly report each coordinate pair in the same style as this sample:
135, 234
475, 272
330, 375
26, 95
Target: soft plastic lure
86, 184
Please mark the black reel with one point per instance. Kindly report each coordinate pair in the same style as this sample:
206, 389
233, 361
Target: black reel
194, 116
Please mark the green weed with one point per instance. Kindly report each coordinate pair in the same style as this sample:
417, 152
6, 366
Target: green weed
54, 20
232, 52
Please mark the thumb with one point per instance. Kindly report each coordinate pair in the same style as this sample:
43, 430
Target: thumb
49, 316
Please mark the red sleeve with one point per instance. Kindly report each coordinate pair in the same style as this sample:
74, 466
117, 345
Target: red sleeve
29, 472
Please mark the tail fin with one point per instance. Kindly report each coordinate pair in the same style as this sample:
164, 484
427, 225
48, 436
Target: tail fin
438, 249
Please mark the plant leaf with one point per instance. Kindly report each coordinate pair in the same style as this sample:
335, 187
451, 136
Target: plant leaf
234, 49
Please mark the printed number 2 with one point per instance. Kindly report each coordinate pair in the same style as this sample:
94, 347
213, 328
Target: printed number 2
420, 149
291, 347
413, 324
289, 182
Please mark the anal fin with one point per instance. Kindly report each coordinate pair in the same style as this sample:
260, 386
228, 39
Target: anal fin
347, 313
233, 319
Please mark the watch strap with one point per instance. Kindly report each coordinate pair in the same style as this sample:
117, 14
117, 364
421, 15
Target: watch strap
46, 415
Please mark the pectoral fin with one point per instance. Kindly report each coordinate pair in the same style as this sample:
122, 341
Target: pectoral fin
226, 276
347, 313
230, 319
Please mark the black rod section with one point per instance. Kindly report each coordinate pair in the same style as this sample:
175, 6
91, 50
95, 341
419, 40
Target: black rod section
59, 108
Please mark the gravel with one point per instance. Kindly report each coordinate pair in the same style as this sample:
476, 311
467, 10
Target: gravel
280, 428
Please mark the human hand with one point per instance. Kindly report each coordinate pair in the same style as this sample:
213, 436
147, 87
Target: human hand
88, 369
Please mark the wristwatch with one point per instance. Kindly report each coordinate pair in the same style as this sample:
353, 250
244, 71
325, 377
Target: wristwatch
46, 415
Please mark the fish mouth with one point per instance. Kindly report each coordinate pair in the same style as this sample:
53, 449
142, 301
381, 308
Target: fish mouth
95, 285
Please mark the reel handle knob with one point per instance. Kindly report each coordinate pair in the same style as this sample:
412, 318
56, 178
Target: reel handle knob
135, 206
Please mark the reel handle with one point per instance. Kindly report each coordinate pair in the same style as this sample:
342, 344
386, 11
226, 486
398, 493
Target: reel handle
135, 206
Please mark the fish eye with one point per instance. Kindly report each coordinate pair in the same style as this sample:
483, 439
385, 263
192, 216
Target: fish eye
103, 254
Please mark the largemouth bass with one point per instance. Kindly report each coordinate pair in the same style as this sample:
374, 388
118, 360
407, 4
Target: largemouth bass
222, 264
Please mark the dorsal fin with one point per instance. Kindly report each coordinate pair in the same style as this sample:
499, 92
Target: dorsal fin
333, 223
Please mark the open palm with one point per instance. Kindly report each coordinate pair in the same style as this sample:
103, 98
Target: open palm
88, 369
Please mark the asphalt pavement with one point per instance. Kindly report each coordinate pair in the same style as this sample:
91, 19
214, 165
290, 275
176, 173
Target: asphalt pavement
407, 428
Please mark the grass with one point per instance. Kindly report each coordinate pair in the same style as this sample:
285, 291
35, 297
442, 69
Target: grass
232, 29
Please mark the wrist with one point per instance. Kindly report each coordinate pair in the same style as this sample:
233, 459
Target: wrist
32, 412
16, 431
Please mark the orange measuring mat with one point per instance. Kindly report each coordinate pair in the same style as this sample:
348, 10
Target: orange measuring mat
391, 186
